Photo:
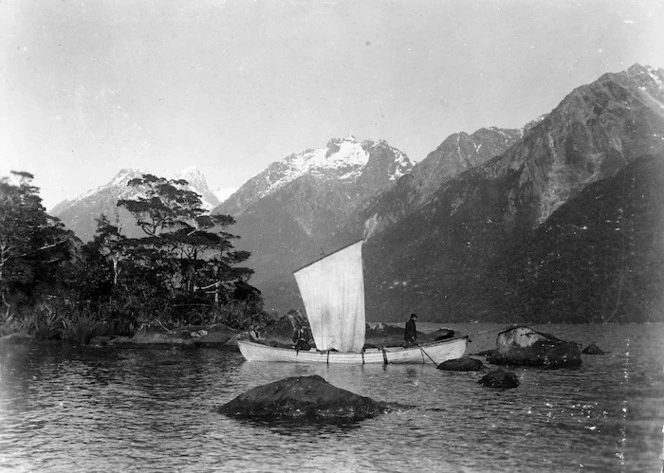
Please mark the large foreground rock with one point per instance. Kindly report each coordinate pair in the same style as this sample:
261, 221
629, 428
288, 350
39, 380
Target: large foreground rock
524, 346
303, 398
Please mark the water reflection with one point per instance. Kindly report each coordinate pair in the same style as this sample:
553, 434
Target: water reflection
82, 409
321, 430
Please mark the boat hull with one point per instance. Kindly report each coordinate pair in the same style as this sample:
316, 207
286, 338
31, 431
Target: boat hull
428, 353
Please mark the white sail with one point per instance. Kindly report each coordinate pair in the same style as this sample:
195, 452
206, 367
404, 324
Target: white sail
333, 293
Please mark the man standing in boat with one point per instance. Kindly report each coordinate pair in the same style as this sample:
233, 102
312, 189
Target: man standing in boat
410, 335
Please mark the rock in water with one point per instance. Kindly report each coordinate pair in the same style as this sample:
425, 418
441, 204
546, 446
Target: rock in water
500, 379
461, 364
525, 346
593, 349
303, 398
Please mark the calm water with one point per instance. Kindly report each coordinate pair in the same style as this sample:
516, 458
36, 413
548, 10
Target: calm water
85, 409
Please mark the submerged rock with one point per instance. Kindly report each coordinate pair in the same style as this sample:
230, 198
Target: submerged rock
593, 349
525, 346
500, 379
305, 398
461, 364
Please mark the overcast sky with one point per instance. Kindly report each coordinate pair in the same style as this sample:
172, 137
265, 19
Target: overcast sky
88, 87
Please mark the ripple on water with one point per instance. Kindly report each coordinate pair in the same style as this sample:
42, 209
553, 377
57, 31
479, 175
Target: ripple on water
64, 409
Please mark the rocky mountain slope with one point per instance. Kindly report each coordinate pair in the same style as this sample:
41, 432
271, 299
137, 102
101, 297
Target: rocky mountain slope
80, 214
298, 207
439, 259
599, 257
360, 169
457, 153
320, 200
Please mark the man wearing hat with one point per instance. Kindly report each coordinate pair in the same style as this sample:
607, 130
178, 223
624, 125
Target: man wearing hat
410, 336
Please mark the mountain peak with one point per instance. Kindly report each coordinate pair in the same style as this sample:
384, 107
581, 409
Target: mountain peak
189, 171
647, 77
124, 172
194, 177
637, 69
342, 160
351, 138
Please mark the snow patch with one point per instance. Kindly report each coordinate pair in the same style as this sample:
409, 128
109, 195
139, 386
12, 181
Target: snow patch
118, 185
344, 158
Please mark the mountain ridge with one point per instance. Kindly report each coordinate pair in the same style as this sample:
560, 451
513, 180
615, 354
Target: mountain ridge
437, 231
342, 159
441, 254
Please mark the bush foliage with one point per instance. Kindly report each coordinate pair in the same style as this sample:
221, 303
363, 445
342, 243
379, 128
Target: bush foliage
183, 271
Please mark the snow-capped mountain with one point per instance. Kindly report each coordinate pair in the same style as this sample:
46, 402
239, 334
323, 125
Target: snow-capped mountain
299, 206
344, 160
557, 221
80, 213
198, 184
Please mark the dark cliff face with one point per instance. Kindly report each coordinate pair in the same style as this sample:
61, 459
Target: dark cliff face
382, 170
430, 261
438, 260
598, 258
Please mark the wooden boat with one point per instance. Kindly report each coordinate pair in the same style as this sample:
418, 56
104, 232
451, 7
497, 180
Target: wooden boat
431, 353
332, 289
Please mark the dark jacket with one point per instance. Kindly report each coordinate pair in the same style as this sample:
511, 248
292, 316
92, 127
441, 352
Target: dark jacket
300, 334
411, 331
301, 339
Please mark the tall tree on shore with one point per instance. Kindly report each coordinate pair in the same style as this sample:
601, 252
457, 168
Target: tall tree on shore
32, 243
188, 250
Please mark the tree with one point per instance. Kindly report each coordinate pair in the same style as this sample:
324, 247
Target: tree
32, 243
185, 251
108, 242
